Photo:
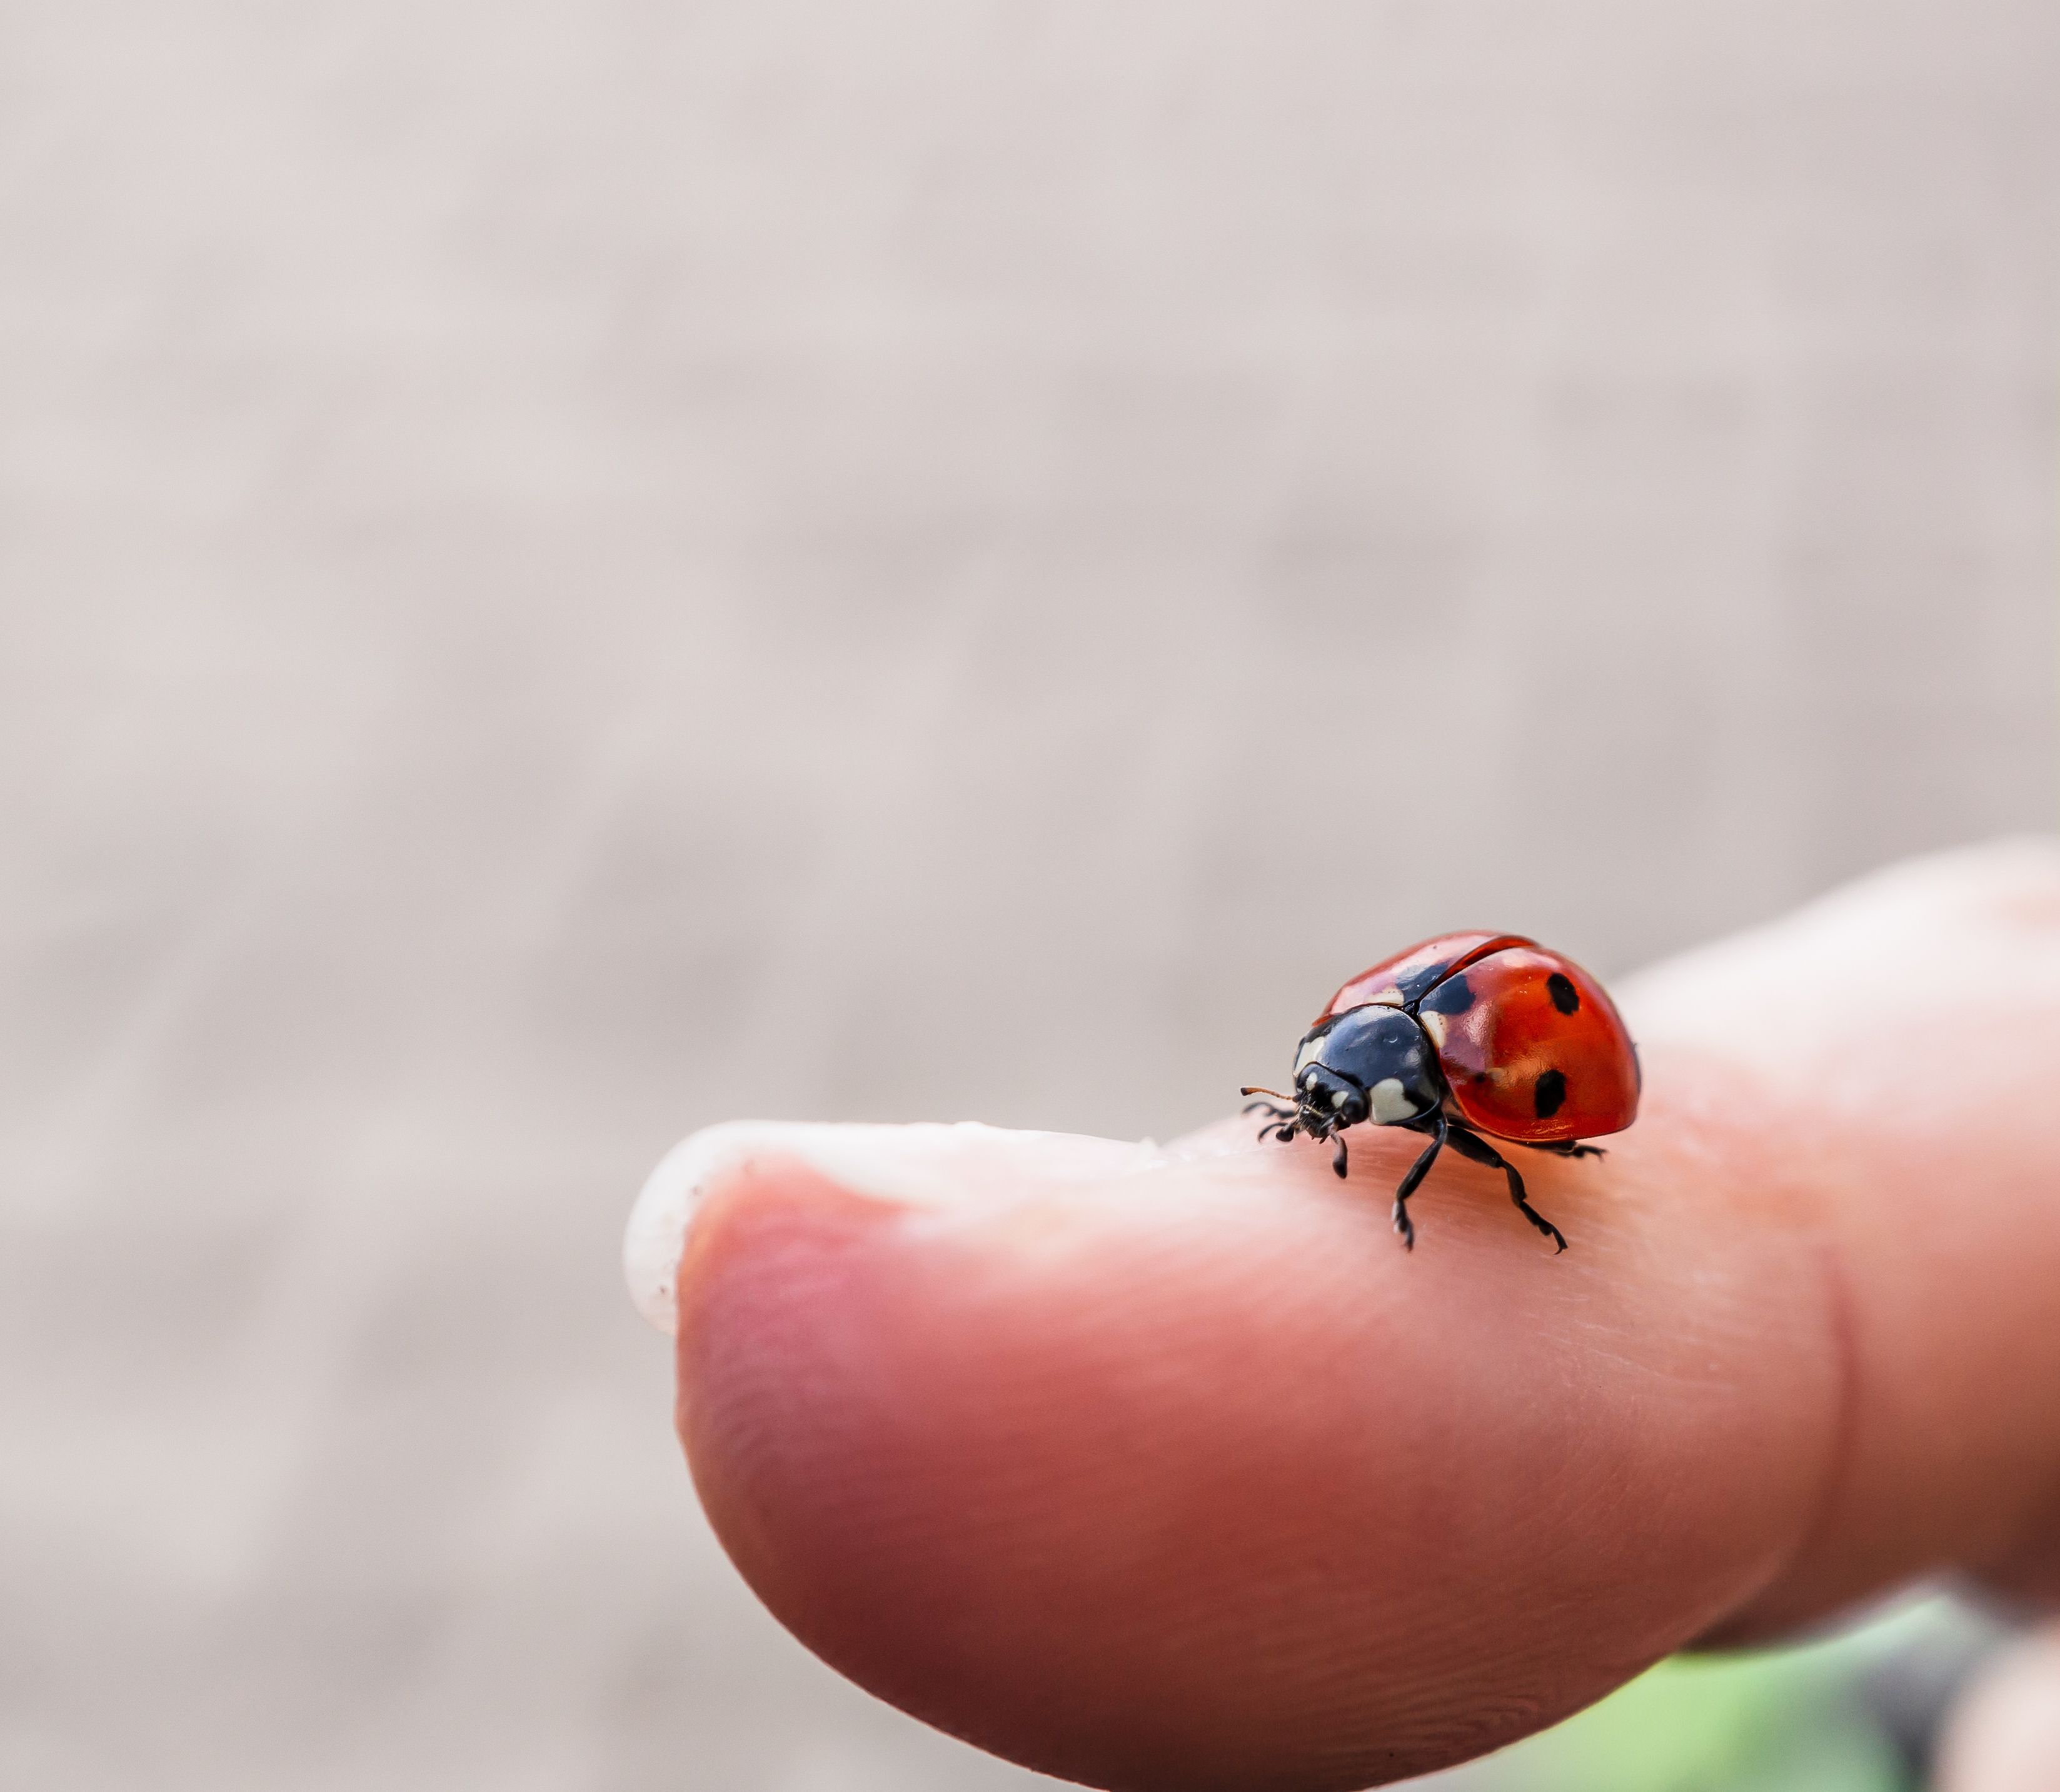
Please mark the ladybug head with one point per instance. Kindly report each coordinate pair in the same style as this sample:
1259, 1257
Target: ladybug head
1326, 1102
1370, 1063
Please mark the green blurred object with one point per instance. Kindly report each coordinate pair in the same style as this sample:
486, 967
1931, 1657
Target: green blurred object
1778, 1721
1805, 1719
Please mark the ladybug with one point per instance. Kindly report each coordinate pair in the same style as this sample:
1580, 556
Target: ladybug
1467, 1037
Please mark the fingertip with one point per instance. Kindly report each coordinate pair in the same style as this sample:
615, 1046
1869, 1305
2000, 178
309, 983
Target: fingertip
1176, 1473
916, 1166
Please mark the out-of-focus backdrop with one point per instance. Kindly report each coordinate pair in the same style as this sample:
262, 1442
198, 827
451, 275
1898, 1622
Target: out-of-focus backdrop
569, 570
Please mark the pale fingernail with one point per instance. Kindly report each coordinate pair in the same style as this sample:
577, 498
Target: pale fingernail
921, 1166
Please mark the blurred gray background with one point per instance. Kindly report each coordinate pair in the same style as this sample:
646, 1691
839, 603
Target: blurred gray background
573, 568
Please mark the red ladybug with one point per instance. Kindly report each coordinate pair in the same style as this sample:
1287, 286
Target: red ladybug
1467, 1034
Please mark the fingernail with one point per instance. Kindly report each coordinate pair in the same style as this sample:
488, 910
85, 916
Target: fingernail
922, 1166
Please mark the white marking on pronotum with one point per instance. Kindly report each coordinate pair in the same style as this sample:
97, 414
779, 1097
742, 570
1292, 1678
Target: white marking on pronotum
1433, 1023
1388, 1104
1339, 1097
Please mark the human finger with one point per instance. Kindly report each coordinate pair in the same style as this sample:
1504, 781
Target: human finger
1168, 1468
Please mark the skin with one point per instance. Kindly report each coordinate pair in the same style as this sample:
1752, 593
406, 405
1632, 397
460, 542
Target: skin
2006, 1737
1174, 1470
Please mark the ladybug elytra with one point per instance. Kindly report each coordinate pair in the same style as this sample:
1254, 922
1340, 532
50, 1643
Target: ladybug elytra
1467, 1037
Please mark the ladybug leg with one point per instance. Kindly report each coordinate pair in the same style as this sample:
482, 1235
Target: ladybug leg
1472, 1145
1338, 1157
1409, 1184
1562, 1147
1276, 1114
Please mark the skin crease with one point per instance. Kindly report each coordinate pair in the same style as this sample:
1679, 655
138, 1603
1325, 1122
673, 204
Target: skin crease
1191, 1478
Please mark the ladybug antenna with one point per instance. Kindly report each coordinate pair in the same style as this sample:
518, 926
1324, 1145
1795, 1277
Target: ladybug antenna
1274, 1111
1280, 1122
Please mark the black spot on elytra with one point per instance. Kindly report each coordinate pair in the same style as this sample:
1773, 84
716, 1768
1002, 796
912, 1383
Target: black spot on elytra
1566, 998
1409, 988
1550, 1094
1454, 995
